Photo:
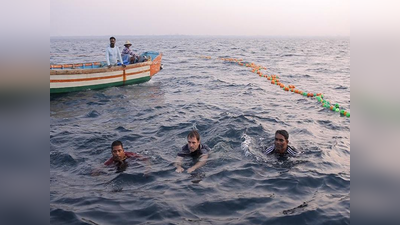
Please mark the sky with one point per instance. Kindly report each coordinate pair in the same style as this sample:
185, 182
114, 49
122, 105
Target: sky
201, 17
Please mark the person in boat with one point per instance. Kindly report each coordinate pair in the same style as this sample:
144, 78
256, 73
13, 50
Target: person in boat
194, 149
119, 157
128, 56
113, 54
281, 146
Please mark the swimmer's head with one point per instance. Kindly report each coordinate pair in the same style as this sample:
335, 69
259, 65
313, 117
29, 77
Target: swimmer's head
193, 140
117, 151
281, 141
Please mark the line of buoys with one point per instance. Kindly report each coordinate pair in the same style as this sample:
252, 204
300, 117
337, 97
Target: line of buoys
275, 81
205, 57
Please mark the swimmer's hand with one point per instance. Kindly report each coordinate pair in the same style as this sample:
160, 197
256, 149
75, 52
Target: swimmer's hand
146, 172
191, 169
95, 173
179, 169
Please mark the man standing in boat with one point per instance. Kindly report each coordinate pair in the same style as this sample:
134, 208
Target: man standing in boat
192, 149
113, 54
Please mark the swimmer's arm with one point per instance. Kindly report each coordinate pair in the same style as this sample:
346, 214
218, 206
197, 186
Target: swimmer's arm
202, 161
178, 164
98, 170
148, 167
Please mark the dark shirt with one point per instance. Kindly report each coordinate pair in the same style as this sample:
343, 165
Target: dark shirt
185, 152
290, 150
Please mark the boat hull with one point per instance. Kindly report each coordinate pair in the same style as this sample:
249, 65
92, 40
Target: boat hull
78, 79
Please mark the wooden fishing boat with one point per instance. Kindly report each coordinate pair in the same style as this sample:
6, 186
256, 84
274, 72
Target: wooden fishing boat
82, 76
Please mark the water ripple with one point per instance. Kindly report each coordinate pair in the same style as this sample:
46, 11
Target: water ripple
236, 113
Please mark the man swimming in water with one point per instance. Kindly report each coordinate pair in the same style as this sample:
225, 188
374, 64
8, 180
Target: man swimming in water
192, 149
119, 157
281, 146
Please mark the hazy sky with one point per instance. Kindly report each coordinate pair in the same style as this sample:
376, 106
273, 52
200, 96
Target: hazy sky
200, 17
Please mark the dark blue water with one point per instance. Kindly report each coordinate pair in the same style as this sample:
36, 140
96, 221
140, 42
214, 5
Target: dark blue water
236, 113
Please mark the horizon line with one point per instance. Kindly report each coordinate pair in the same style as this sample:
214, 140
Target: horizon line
197, 35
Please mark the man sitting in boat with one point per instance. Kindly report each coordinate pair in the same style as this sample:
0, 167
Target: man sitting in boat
281, 146
113, 54
119, 157
128, 56
192, 149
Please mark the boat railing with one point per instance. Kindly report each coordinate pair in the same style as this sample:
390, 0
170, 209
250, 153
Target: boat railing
77, 66
150, 55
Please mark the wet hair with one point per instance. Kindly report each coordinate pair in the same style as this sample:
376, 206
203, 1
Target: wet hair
116, 143
194, 133
112, 38
283, 133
